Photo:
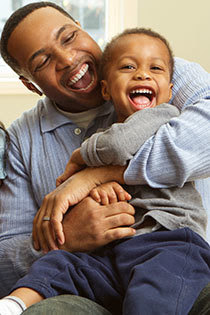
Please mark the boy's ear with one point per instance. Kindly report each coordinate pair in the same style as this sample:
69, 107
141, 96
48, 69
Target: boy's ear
105, 91
30, 86
170, 91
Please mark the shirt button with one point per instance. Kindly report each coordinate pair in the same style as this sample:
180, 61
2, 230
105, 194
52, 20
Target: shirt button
77, 131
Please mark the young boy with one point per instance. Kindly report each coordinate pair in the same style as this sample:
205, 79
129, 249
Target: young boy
152, 273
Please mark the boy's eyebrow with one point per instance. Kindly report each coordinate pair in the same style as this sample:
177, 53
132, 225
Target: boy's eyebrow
40, 51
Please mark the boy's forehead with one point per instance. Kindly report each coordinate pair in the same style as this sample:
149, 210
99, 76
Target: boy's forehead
139, 42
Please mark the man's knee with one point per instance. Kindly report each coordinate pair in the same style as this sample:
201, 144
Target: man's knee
66, 304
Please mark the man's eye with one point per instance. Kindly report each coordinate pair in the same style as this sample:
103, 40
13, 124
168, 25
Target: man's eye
69, 38
42, 64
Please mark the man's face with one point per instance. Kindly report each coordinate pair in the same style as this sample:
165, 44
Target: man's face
138, 74
55, 53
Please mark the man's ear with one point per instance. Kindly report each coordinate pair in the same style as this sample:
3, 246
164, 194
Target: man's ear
78, 23
105, 90
30, 86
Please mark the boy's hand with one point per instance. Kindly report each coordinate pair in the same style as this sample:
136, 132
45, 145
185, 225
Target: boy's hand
75, 164
109, 193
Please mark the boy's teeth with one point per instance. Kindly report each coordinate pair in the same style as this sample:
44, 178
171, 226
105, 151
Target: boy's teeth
143, 91
80, 74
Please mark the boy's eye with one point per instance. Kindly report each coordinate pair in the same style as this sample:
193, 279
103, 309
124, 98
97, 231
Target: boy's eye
130, 67
156, 68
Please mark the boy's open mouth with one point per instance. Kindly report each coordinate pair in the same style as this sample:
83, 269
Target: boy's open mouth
142, 98
83, 79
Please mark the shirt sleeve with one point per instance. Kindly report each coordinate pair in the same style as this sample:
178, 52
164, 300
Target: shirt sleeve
119, 143
179, 151
17, 210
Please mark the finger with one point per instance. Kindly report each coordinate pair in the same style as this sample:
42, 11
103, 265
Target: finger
104, 197
119, 207
118, 233
112, 195
121, 219
123, 195
56, 220
36, 233
49, 241
95, 195
58, 230
44, 233
49, 237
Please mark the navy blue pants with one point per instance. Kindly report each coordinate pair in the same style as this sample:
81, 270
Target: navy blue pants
156, 273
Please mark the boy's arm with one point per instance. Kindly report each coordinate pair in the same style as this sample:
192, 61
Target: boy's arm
118, 144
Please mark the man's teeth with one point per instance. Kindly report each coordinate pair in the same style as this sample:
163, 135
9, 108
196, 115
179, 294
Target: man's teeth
141, 91
80, 74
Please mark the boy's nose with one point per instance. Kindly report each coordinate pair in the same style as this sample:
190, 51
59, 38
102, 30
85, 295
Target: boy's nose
142, 75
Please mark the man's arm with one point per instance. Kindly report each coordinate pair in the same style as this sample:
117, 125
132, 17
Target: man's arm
178, 152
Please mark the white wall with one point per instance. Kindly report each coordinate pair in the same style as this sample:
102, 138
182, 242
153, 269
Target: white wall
14, 99
185, 23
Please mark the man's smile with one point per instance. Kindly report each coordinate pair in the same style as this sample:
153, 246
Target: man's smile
84, 80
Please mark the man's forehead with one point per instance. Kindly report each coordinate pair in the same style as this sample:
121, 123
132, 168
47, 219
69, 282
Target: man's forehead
44, 18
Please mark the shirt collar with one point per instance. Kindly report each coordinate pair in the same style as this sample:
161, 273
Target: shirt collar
51, 118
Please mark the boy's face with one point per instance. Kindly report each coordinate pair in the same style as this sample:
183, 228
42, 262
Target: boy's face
138, 74
55, 53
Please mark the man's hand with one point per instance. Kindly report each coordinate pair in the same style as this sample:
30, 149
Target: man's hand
90, 225
48, 234
74, 165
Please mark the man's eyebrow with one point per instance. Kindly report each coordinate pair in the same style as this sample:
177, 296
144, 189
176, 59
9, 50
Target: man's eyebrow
40, 51
62, 29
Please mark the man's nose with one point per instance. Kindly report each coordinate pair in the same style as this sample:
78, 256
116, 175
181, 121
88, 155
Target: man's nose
64, 59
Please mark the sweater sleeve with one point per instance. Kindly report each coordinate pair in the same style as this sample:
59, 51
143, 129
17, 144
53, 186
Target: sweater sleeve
119, 143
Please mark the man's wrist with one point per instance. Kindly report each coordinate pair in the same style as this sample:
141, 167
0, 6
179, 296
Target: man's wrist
109, 173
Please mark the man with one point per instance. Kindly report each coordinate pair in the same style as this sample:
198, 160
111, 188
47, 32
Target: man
56, 54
